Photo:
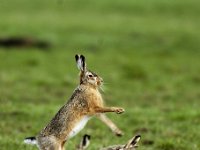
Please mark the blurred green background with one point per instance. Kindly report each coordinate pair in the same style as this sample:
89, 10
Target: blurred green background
147, 52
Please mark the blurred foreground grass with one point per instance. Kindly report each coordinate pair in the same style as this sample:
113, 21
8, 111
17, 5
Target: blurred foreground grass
147, 52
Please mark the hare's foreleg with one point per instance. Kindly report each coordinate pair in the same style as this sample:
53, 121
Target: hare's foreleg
108, 109
110, 124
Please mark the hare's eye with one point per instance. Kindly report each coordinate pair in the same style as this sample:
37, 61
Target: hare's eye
90, 76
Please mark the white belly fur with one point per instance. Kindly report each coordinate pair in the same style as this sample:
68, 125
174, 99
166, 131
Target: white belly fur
79, 126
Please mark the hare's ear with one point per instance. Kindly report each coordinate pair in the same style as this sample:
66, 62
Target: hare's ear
80, 61
84, 142
133, 142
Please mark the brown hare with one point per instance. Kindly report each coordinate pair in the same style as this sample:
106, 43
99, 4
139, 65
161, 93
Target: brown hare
85, 102
130, 145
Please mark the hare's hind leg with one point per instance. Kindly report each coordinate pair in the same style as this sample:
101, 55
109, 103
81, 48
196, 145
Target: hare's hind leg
55, 147
51, 147
49, 143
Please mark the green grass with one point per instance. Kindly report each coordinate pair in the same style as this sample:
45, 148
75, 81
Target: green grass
147, 52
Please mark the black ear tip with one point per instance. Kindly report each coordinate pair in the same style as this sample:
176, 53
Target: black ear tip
87, 136
76, 57
138, 136
82, 57
85, 139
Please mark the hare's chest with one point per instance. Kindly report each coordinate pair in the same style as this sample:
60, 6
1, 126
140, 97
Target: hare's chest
79, 126
94, 98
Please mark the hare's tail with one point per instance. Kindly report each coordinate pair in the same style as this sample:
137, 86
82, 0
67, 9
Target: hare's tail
30, 140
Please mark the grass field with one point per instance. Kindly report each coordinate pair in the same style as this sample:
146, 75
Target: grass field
148, 53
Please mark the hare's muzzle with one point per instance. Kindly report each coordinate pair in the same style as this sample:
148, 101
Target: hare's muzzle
99, 81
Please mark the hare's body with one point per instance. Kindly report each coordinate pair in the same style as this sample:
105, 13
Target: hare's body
85, 102
79, 108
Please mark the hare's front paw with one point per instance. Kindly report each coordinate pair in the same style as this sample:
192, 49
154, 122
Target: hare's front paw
119, 110
118, 132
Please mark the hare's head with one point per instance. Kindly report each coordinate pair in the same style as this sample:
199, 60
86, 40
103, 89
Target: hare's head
87, 77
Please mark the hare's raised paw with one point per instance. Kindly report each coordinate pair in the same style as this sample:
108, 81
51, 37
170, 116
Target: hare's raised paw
119, 110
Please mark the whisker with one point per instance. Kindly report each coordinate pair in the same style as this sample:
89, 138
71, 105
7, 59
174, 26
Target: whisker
106, 83
102, 89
